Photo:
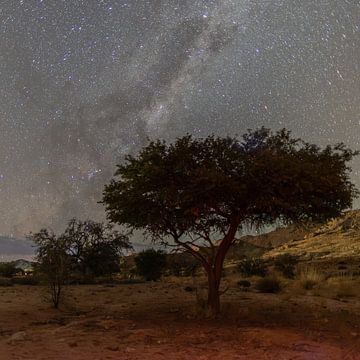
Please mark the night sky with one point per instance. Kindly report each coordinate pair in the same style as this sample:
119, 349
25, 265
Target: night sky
84, 82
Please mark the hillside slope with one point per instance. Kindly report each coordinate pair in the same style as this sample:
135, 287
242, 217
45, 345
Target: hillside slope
339, 238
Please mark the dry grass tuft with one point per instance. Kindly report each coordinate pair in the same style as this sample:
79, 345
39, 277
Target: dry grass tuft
309, 278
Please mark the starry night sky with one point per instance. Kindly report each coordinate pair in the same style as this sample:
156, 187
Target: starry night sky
84, 82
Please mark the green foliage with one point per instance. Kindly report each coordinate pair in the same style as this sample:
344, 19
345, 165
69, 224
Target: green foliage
8, 269
252, 267
150, 264
286, 264
268, 285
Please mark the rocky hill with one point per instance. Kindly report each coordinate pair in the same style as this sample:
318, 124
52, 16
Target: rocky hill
338, 238
278, 236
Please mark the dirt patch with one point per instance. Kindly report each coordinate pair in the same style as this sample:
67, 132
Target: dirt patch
160, 321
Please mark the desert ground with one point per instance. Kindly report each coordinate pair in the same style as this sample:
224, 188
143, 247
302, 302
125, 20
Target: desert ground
160, 320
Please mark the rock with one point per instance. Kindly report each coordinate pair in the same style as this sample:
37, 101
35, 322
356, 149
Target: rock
16, 337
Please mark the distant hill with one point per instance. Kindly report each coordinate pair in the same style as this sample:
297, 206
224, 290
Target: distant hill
278, 236
338, 238
12, 249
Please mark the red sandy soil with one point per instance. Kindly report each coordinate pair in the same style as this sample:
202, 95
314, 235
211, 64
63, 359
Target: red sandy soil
158, 321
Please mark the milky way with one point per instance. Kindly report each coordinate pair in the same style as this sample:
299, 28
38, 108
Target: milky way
82, 83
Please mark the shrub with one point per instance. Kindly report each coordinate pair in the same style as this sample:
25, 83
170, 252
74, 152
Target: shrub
8, 270
268, 285
150, 264
286, 263
4, 282
25, 280
310, 277
253, 267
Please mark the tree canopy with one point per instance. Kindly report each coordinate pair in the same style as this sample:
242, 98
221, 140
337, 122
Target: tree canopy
200, 192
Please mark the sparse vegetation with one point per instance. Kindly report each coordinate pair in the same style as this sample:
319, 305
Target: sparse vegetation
253, 267
53, 262
286, 264
310, 277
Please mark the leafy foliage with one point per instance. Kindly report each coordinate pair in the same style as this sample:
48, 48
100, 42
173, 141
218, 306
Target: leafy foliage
150, 264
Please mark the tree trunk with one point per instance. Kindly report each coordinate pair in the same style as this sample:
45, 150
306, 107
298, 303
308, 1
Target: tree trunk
213, 300
214, 271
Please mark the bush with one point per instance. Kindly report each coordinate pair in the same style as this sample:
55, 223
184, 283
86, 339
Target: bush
309, 278
4, 282
150, 264
268, 285
286, 263
8, 270
252, 267
25, 280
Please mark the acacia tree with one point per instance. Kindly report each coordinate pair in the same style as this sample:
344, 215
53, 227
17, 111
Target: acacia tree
54, 262
95, 247
200, 192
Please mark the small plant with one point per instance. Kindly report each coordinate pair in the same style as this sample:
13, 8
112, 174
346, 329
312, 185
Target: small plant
310, 277
253, 267
268, 285
286, 264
